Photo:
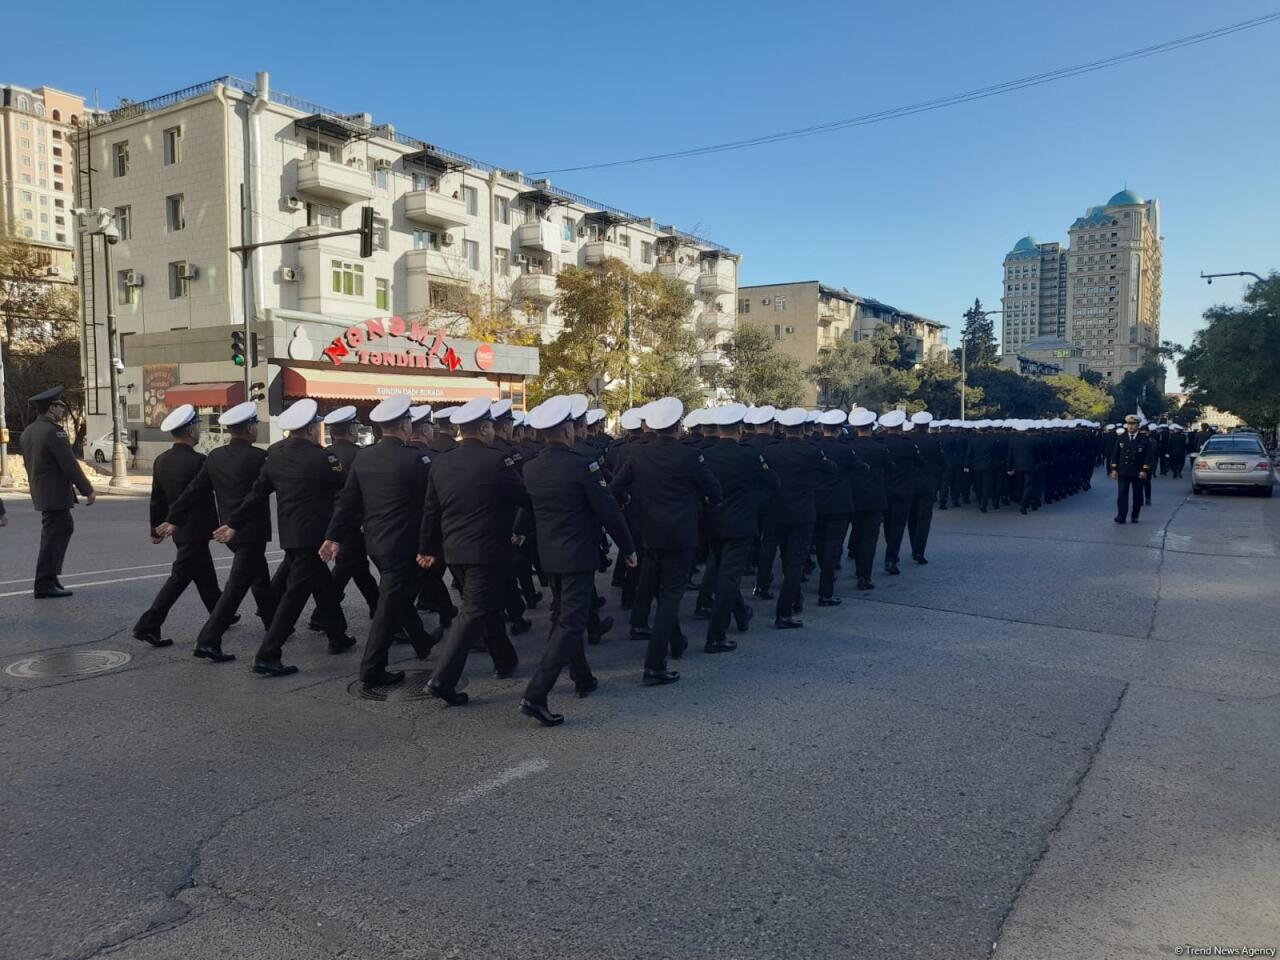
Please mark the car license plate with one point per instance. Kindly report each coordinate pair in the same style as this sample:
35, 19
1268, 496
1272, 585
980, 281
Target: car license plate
1231, 466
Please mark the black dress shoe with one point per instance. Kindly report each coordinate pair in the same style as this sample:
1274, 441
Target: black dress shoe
750, 614
1118, 519
542, 713
787, 623
829, 602
422, 648
701, 613
586, 687
603, 627
720, 646
233, 621
343, 645
520, 626
865, 584
505, 670
454, 698
892, 569
921, 559
52, 593
272, 668
154, 639
1133, 519
213, 653
641, 633
762, 593
797, 607
654, 678
387, 678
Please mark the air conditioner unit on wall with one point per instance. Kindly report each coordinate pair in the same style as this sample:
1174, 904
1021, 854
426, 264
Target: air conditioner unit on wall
292, 203
447, 239
289, 274
189, 272
132, 278
382, 164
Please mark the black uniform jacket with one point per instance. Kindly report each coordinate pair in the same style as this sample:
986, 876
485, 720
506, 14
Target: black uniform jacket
932, 462
172, 475
228, 472
799, 465
472, 497
304, 477
52, 468
1132, 455
835, 493
870, 487
906, 464
1024, 455
570, 505
983, 452
746, 482
385, 486
668, 481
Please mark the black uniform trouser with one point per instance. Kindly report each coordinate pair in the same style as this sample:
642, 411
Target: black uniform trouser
793, 547
571, 599
307, 576
1038, 479
895, 525
193, 564
352, 566
56, 527
397, 583
726, 563
645, 589
668, 572
919, 523
1123, 487
986, 488
434, 595
768, 550
1146, 488
832, 528
1177, 464
1024, 487
863, 540
248, 572
479, 617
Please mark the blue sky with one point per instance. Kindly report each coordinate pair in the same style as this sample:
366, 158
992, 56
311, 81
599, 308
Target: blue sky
918, 212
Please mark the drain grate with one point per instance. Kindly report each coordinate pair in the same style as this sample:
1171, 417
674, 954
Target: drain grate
412, 687
70, 663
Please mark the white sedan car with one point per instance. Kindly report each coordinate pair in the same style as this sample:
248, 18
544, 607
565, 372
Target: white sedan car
1235, 460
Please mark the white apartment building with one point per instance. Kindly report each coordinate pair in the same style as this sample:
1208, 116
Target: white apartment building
190, 173
1035, 294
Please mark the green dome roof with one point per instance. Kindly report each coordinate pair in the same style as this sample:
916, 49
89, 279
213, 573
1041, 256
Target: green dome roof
1027, 244
1125, 198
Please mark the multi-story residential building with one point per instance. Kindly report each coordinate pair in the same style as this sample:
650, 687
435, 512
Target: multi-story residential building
193, 173
808, 317
37, 172
1035, 293
1114, 268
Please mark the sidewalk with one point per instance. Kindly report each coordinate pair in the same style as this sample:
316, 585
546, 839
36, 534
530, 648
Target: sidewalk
99, 475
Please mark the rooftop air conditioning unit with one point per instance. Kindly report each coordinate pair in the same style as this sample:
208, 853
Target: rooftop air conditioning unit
522, 259
132, 278
382, 164
188, 272
289, 274
447, 239
292, 203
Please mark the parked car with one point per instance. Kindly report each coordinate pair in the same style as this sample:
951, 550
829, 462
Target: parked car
100, 449
1236, 460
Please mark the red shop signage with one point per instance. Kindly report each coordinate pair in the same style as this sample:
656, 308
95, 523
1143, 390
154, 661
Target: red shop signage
356, 345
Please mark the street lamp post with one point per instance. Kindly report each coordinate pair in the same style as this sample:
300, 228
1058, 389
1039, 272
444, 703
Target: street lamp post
1208, 277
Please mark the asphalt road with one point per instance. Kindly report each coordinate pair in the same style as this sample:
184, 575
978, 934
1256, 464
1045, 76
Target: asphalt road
1055, 740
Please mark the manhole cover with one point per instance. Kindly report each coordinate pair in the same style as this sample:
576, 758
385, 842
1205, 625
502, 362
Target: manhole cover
71, 663
412, 687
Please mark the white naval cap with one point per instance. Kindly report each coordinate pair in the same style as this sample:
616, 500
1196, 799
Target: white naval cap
861, 417
499, 409
550, 413
181, 417
341, 415
240, 413
418, 414
443, 414
390, 410
579, 404
894, 418
663, 413
811, 416
595, 416
695, 418
758, 416
1022, 426
908, 426
729, 414
300, 415
829, 418
631, 419
924, 416
517, 418
792, 416
645, 409
471, 411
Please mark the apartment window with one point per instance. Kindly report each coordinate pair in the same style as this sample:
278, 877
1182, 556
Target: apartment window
323, 215
744, 306
348, 278
472, 199
422, 182
777, 331
501, 261
381, 177
382, 294
124, 222
178, 281
426, 240
172, 146
24, 143
26, 161
44, 217
57, 151
324, 149
779, 304
44, 234
646, 251
57, 134
58, 203
120, 158
27, 196
502, 209
28, 232
441, 295
44, 201
28, 215
380, 235
124, 292
472, 251
60, 237
57, 185
174, 215
569, 229
625, 240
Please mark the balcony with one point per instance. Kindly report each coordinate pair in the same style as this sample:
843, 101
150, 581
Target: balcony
712, 358
318, 176
442, 263
316, 261
536, 287
711, 322
435, 209
597, 251
539, 235
673, 270
716, 279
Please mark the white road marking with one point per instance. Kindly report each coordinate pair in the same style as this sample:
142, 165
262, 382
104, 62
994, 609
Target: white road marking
519, 772
223, 563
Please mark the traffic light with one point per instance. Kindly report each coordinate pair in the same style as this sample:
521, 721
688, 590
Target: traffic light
237, 348
366, 232
257, 391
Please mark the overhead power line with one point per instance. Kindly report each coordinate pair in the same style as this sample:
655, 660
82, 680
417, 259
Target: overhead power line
938, 103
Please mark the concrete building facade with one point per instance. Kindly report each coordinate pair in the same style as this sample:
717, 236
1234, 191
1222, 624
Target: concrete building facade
192, 173
1035, 293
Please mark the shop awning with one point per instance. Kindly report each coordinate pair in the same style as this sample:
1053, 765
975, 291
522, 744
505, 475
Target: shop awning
340, 385
204, 394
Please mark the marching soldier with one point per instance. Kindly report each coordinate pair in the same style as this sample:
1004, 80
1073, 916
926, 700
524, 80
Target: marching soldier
834, 503
870, 494
304, 477
1131, 462
352, 565
229, 473
932, 466
901, 485
1023, 463
55, 476
172, 474
432, 594
1177, 450
982, 464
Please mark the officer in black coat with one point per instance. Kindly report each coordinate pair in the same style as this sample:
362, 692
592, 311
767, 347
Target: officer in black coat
1177, 450
901, 484
1023, 463
228, 473
869, 489
433, 595
54, 476
472, 496
932, 466
570, 504
1131, 463
671, 481
304, 478
352, 565
384, 489
172, 473
982, 463
834, 502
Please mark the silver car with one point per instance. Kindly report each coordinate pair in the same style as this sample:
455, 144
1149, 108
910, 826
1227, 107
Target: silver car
1237, 460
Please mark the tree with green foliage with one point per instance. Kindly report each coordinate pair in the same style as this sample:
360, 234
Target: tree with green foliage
1144, 388
759, 373
1006, 394
1079, 397
979, 337
1233, 363
847, 375
938, 390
